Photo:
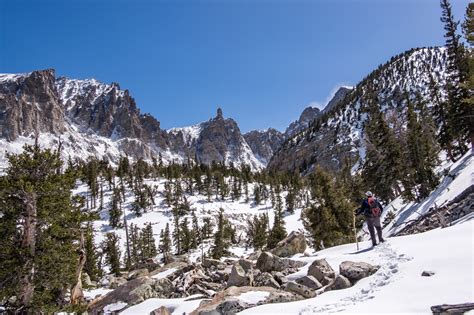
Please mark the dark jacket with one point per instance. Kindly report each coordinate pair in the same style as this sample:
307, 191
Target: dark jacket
365, 208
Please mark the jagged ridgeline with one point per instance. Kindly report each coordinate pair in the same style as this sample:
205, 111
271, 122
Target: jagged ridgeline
91, 118
336, 137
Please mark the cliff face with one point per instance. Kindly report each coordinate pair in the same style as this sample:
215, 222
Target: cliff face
264, 143
108, 111
29, 104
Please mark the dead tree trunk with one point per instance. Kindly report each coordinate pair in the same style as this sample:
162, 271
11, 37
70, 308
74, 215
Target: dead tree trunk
77, 296
28, 244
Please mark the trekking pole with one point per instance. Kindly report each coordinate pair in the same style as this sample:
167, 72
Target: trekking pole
355, 232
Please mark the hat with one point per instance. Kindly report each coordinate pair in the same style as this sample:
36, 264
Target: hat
368, 193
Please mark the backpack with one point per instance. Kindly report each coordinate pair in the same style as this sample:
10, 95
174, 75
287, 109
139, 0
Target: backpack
374, 207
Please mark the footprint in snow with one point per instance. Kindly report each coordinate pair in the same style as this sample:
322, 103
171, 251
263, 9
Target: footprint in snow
389, 262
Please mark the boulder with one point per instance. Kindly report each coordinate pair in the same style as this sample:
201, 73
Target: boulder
339, 283
300, 289
174, 269
269, 262
356, 270
112, 281
135, 291
209, 263
227, 301
322, 271
254, 255
427, 273
137, 273
160, 311
239, 277
280, 278
309, 281
246, 264
293, 244
265, 279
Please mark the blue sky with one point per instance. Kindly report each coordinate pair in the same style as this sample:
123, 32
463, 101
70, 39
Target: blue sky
262, 61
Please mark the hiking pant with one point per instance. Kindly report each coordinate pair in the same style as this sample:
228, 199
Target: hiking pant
371, 223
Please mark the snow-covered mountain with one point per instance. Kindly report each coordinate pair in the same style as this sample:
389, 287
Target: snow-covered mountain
336, 136
91, 118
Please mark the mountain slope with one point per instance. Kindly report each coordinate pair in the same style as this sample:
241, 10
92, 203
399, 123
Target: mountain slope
337, 137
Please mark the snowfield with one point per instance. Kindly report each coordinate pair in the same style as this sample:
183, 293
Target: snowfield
397, 287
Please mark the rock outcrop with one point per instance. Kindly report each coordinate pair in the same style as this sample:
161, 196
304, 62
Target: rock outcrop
322, 271
135, 291
264, 143
294, 243
356, 270
267, 262
30, 104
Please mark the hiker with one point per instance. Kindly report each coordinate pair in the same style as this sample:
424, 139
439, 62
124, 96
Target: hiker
372, 209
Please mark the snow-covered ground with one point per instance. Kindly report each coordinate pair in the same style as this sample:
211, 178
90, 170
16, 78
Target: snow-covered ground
397, 287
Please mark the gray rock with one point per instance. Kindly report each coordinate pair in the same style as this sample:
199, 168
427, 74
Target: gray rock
356, 270
265, 279
254, 255
269, 262
427, 273
225, 302
246, 264
239, 277
135, 291
209, 262
300, 289
160, 311
339, 283
293, 244
112, 281
309, 281
138, 273
280, 278
264, 143
322, 271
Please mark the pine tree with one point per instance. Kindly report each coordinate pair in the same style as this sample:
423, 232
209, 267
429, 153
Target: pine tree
278, 231
468, 28
115, 211
177, 234
148, 243
256, 195
195, 232
221, 244
135, 245
257, 231
207, 227
165, 243
91, 264
186, 240
458, 72
329, 218
111, 250
382, 168
421, 153
39, 231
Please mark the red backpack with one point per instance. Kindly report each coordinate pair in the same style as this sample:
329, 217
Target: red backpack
374, 207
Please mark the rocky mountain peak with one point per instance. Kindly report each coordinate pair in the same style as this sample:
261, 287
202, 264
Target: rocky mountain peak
306, 117
29, 104
219, 115
338, 97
